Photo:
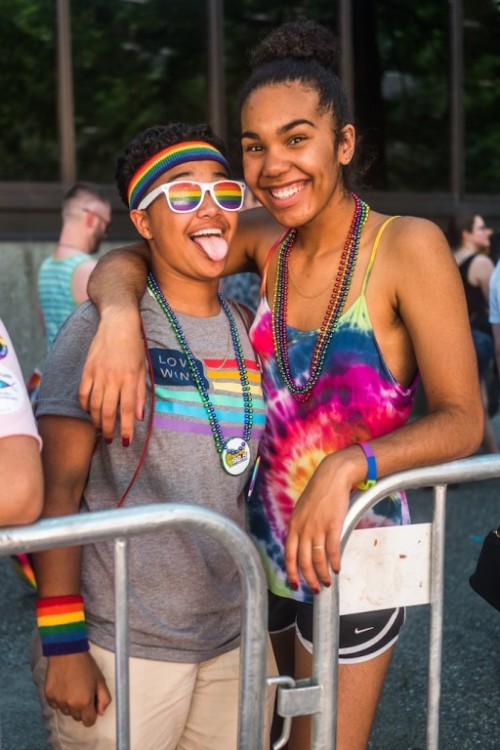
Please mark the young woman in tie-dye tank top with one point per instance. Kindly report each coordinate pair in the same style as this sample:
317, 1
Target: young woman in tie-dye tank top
356, 398
342, 329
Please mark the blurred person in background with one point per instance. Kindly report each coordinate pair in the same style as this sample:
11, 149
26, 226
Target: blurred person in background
495, 299
62, 282
63, 277
469, 238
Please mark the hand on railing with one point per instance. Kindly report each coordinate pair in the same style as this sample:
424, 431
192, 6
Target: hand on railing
315, 527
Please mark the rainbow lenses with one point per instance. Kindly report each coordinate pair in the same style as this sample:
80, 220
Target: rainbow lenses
183, 196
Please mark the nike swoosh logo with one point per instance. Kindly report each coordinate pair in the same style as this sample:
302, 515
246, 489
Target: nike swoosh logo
363, 630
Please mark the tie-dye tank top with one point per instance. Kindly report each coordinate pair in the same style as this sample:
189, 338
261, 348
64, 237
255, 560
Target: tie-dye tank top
355, 399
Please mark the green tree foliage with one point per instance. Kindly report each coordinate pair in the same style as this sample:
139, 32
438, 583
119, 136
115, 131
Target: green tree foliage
143, 62
482, 95
245, 23
412, 132
28, 142
412, 64
136, 65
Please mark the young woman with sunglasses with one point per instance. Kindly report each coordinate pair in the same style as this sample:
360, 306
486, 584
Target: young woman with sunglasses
197, 444
355, 307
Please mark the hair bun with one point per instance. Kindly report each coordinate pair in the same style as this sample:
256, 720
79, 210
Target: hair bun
302, 39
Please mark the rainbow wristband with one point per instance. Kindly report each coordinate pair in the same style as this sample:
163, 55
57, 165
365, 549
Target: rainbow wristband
371, 477
61, 624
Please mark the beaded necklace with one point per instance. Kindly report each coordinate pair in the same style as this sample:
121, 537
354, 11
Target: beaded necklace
333, 312
234, 452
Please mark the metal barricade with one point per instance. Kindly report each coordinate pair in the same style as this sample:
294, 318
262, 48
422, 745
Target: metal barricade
127, 522
317, 696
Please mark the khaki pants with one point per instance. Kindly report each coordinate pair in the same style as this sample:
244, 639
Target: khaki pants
173, 706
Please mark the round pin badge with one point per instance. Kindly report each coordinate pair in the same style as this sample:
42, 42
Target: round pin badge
235, 456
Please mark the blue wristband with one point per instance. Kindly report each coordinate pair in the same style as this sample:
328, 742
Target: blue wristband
371, 476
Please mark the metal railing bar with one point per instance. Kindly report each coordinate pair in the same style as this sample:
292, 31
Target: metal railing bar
436, 616
86, 528
122, 645
463, 470
325, 666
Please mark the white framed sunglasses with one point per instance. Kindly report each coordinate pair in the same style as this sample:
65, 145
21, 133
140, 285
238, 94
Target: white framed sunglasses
185, 196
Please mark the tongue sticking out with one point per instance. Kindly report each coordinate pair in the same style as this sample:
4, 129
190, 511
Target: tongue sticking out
212, 245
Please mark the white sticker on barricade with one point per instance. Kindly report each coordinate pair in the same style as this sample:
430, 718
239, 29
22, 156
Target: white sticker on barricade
386, 567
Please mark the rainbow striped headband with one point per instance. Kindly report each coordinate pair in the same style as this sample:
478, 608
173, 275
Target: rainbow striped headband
167, 159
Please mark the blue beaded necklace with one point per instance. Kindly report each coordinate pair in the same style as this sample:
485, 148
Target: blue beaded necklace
234, 452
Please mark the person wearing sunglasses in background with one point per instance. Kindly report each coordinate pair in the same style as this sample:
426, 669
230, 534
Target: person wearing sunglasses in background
63, 277
62, 284
197, 444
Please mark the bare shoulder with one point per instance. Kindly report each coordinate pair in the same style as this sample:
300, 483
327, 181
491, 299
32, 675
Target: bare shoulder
413, 244
85, 268
483, 264
417, 235
414, 265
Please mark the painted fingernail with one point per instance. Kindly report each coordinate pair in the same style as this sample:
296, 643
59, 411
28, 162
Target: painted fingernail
315, 590
125, 442
327, 584
108, 441
294, 586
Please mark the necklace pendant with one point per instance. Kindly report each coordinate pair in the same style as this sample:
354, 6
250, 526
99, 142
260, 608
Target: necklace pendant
235, 456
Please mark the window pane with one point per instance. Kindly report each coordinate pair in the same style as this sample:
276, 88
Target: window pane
482, 95
401, 61
29, 147
136, 64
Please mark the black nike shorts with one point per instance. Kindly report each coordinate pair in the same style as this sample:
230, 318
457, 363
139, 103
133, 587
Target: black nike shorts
363, 636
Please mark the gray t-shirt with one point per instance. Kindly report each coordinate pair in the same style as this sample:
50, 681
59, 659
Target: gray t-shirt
184, 590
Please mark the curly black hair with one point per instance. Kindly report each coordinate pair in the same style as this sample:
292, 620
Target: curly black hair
149, 142
303, 51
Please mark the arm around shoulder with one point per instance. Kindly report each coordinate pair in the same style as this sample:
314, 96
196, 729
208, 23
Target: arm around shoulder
114, 372
119, 278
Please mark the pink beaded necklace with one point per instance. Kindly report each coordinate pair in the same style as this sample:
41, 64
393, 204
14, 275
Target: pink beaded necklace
333, 312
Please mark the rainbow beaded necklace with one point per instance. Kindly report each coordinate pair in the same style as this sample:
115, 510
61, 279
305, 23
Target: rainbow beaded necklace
222, 446
333, 312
